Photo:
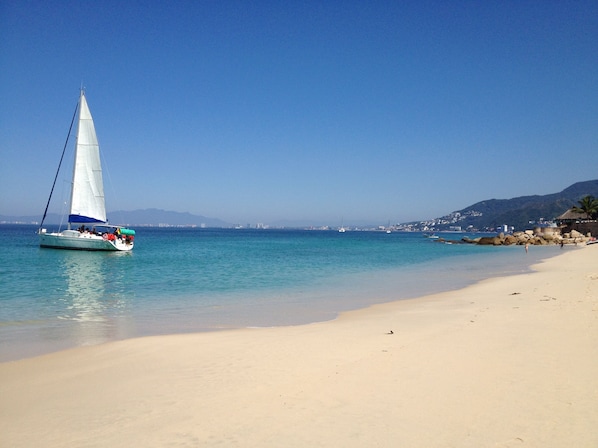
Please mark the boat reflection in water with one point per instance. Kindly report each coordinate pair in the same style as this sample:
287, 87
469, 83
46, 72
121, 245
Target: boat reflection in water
93, 306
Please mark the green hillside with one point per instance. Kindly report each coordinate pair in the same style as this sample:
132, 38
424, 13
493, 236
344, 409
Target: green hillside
517, 212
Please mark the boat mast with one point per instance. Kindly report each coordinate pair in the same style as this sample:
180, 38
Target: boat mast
81, 94
59, 165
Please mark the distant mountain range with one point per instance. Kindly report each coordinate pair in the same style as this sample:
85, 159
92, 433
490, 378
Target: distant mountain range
157, 217
485, 215
148, 217
518, 212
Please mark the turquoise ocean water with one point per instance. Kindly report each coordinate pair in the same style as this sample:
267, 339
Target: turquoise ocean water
187, 280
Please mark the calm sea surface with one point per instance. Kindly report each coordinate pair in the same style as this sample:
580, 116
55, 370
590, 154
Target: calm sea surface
185, 280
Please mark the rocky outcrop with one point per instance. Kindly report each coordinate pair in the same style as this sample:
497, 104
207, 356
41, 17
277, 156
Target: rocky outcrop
537, 237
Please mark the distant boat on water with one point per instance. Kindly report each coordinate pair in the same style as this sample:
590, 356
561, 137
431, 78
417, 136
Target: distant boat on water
342, 228
88, 228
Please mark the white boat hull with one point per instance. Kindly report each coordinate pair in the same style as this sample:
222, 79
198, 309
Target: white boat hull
75, 240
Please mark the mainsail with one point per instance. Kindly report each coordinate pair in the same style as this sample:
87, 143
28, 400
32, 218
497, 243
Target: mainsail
87, 196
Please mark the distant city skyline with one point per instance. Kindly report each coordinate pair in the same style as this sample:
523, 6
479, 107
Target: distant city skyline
315, 111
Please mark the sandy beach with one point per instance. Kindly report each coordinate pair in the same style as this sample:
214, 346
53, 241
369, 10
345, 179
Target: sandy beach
508, 362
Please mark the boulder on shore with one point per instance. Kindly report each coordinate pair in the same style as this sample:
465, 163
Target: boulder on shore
510, 240
489, 241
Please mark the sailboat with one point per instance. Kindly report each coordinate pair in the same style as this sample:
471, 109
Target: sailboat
88, 228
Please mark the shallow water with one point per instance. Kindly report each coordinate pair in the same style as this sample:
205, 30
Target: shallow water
185, 280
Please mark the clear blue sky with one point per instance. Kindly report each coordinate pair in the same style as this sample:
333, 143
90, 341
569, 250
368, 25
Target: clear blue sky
321, 111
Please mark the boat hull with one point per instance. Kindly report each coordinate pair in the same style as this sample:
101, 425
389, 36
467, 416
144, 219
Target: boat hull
75, 240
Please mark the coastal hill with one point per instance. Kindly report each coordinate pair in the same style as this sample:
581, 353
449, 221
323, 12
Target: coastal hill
518, 212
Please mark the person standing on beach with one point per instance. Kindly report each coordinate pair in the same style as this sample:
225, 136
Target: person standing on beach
526, 247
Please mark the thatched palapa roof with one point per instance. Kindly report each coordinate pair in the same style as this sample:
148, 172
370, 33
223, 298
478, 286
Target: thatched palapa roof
571, 215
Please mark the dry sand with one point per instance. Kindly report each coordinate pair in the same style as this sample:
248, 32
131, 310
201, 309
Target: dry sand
509, 362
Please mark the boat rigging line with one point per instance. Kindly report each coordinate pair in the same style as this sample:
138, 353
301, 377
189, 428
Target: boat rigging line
59, 165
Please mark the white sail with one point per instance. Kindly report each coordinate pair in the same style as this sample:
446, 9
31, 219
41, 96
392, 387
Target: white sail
87, 196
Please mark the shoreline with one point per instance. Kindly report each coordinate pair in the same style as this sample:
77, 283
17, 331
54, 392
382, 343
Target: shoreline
508, 361
267, 308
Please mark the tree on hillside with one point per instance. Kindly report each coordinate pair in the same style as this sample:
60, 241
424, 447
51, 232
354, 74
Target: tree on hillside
587, 205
